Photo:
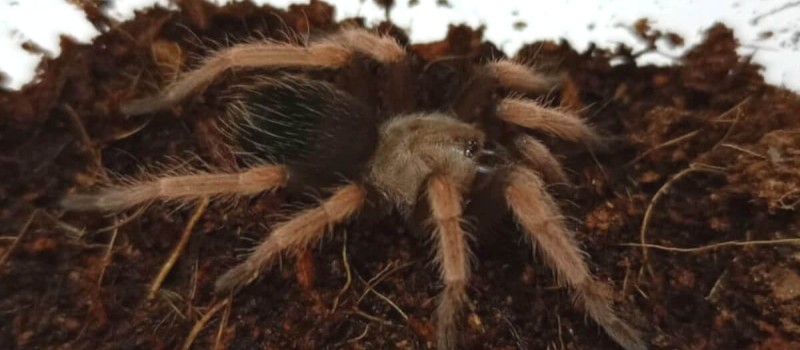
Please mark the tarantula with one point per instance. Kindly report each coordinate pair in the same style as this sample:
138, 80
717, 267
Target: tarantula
310, 134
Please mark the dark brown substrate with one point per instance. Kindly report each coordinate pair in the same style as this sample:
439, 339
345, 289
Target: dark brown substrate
712, 113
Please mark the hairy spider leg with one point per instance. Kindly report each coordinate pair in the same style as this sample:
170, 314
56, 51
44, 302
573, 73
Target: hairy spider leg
529, 114
334, 52
537, 156
382, 48
518, 77
296, 234
452, 256
180, 188
538, 215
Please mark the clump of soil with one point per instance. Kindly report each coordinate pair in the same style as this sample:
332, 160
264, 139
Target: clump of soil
704, 153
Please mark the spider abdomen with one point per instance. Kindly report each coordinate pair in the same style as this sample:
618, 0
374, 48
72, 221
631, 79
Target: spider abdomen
321, 134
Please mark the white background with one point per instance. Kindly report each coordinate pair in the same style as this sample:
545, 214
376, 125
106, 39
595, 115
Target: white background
605, 22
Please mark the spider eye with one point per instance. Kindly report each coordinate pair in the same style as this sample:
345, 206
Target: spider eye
471, 149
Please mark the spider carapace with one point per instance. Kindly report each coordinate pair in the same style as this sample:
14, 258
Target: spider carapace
312, 135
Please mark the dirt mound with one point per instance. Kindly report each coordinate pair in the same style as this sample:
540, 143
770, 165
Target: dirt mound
691, 211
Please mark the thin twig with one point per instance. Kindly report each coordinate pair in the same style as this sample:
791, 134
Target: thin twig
372, 280
513, 330
713, 292
223, 324
172, 299
743, 150
363, 314
729, 132
88, 146
126, 220
377, 279
665, 144
18, 238
164, 320
192, 288
391, 303
788, 206
786, 241
694, 167
86, 141
348, 274
560, 332
107, 257
201, 323
370, 287
72, 231
363, 334
187, 231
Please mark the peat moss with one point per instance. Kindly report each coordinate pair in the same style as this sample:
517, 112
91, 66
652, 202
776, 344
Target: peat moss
710, 112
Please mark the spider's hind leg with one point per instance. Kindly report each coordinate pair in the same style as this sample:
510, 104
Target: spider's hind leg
332, 52
540, 218
179, 188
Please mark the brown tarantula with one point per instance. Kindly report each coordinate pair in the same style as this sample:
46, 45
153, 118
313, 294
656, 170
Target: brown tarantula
309, 135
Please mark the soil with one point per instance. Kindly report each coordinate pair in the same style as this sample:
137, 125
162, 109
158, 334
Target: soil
704, 155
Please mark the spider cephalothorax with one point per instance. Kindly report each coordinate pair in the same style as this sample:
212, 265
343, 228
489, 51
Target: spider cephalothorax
309, 135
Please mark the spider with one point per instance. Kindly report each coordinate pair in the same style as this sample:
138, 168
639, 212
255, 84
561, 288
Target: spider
309, 135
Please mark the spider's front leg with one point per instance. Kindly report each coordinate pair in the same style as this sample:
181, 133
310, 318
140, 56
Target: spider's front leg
531, 114
452, 256
518, 77
537, 156
540, 218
